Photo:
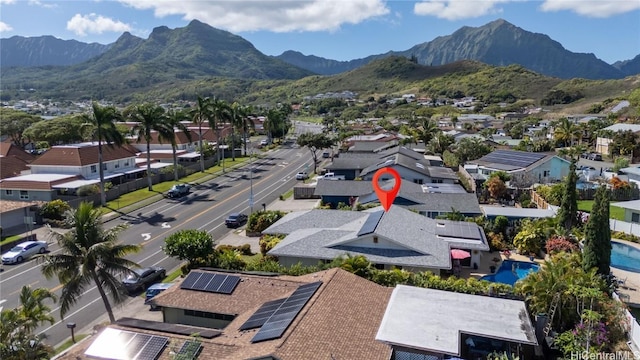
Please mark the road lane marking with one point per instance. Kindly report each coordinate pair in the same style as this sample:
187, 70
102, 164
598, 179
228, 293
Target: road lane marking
146, 236
166, 225
17, 291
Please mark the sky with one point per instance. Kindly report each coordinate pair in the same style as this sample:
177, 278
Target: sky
335, 29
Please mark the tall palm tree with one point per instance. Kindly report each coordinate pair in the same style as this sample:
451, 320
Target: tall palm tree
148, 118
199, 115
103, 120
565, 131
89, 255
220, 114
241, 122
17, 340
173, 120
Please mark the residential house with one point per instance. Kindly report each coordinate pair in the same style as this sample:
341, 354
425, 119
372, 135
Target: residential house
456, 325
631, 210
13, 160
350, 164
431, 200
602, 142
69, 167
525, 168
20, 215
397, 238
324, 315
410, 169
371, 146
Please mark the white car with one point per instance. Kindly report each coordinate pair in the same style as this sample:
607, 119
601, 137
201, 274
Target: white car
23, 251
264, 142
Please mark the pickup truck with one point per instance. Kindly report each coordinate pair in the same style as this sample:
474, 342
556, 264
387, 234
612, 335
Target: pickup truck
332, 176
179, 190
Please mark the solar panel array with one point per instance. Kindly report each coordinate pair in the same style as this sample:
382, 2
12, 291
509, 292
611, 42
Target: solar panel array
262, 314
128, 345
461, 230
280, 320
371, 223
189, 350
513, 158
209, 282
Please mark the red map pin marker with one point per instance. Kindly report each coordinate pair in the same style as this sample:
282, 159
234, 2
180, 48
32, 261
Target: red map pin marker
386, 197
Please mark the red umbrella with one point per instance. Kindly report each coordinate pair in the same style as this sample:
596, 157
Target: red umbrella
459, 254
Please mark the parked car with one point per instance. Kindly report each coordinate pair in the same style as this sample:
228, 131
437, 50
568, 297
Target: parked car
24, 251
302, 175
235, 220
264, 142
154, 290
595, 157
179, 190
332, 176
326, 154
141, 278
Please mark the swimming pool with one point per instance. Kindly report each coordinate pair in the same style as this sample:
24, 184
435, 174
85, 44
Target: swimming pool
625, 257
511, 271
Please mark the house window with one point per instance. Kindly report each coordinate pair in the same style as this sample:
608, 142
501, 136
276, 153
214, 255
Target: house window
208, 315
93, 169
375, 239
418, 181
546, 173
8, 192
104, 166
379, 266
635, 217
436, 181
24, 195
126, 163
116, 165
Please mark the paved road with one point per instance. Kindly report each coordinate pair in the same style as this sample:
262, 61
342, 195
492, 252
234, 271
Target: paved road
204, 209
302, 127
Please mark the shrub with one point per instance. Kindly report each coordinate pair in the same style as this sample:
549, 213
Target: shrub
54, 209
496, 241
268, 242
242, 249
88, 190
559, 243
259, 221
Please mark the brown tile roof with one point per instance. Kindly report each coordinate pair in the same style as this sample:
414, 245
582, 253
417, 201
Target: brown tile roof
82, 155
8, 205
339, 322
22, 184
10, 149
11, 166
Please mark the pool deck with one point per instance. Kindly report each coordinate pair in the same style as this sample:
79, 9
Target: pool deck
630, 291
487, 260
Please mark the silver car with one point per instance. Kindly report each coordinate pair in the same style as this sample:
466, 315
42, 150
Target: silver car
23, 251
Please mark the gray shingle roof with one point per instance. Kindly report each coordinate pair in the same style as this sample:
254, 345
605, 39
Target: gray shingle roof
349, 163
464, 203
343, 188
418, 241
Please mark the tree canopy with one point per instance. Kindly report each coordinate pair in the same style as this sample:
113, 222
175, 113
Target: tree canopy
315, 142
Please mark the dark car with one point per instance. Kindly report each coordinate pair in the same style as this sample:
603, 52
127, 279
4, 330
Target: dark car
235, 220
139, 279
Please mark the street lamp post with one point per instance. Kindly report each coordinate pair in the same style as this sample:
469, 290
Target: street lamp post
251, 183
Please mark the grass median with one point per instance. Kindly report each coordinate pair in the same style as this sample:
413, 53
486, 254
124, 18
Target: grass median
140, 195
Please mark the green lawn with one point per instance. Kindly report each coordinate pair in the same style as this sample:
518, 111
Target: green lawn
67, 344
614, 211
311, 119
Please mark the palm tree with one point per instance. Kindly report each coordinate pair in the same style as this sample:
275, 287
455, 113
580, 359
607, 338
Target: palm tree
173, 120
102, 119
220, 113
565, 131
149, 118
239, 120
200, 114
89, 255
17, 340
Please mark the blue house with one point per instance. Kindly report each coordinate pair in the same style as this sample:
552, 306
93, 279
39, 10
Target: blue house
525, 168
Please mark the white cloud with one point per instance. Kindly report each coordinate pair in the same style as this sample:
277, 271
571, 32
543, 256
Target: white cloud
272, 15
458, 9
592, 8
95, 24
46, 5
5, 27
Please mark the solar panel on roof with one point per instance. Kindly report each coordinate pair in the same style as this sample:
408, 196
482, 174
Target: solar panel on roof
371, 223
280, 320
262, 314
459, 230
118, 344
189, 350
215, 283
513, 158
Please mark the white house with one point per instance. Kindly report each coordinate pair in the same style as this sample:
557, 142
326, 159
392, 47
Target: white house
602, 143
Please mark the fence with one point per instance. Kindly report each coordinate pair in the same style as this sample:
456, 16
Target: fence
127, 187
540, 202
625, 227
621, 194
304, 192
468, 179
634, 328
